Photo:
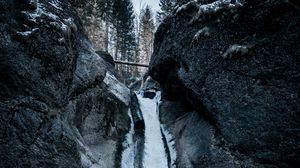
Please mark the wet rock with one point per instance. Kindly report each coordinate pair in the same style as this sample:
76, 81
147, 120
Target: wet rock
107, 57
242, 80
149, 94
138, 120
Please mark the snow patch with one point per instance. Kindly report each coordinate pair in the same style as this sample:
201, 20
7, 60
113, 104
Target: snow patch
52, 16
215, 7
209, 8
55, 4
186, 6
40, 10
27, 33
68, 24
235, 49
202, 32
64, 27
37, 13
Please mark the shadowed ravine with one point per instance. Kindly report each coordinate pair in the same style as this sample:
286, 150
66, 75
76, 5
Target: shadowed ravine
218, 77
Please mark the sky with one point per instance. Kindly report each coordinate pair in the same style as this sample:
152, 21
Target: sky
139, 4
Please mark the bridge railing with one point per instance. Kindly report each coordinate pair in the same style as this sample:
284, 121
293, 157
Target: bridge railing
131, 63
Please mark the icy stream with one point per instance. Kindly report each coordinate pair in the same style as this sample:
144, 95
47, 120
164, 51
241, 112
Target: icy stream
156, 149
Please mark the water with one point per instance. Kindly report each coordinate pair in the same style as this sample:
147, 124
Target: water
154, 154
128, 152
154, 151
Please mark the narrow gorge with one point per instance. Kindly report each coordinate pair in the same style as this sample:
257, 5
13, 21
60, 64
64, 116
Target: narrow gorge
221, 89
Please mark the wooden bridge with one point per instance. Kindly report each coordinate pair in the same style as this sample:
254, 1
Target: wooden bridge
131, 63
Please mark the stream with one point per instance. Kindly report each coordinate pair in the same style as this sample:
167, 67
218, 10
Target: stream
148, 144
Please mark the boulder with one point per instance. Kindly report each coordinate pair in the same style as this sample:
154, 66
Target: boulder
60, 104
236, 65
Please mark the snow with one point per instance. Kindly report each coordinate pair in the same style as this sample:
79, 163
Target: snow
209, 8
215, 7
69, 21
39, 12
27, 33
42, 11
202, 32
154, 154
185, 6
55, 4
235, 49
128, 145
117, 88
52, 16
64, 27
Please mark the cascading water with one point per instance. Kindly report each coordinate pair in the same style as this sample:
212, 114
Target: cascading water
128, 145
158, 148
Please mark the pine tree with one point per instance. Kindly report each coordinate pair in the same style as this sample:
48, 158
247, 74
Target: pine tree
110, 26
166, 6
96, 15
123, 21
147, 28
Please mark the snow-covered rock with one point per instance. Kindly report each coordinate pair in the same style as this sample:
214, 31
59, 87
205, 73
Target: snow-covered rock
56, 109
235, 49
117, 88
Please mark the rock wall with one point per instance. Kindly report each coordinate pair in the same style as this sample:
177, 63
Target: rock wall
229, 71
60, 103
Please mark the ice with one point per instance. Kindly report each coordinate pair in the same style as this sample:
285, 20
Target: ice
154, 154
128, 145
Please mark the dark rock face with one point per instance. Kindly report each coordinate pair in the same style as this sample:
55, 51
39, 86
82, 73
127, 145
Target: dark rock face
149, 94
137, 117
238, 67
60, 104
107, 57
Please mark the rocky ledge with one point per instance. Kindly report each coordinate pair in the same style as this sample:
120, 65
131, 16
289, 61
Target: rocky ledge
229, 71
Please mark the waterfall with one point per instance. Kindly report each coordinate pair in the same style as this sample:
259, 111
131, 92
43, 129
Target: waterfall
158, 150
154, 151
128, 145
